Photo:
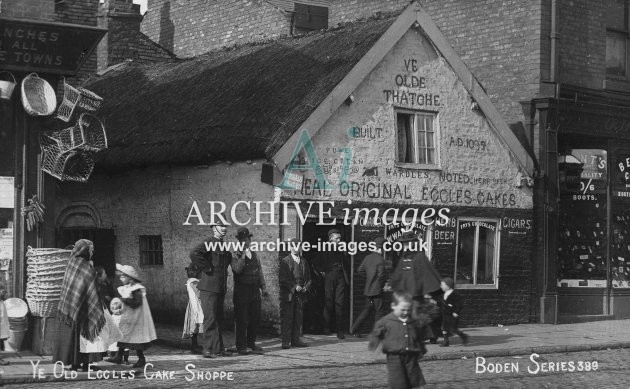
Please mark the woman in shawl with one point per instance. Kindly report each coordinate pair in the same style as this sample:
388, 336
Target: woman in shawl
80, 309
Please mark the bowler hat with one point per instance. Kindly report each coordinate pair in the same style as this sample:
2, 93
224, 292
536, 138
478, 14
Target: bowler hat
379, 241
243, 233
408, 236
333, 231
129, 271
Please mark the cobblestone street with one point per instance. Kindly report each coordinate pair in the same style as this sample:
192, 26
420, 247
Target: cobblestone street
611, 372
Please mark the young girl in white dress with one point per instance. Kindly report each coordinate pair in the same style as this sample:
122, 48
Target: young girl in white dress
136, 322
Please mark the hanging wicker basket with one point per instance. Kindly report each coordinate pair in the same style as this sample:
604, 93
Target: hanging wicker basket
38, 97
87, 134
77, 97
72, 165
7, 86
46, 268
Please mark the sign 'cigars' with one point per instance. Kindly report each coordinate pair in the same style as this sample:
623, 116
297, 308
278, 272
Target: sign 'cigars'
46, 47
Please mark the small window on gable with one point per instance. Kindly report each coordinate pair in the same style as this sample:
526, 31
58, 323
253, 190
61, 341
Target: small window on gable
417, 138
151, 252
311, 17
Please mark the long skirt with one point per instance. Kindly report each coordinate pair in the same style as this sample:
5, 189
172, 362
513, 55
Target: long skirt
66, 347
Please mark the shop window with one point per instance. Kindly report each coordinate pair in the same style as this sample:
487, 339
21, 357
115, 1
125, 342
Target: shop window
151, 253
617, 35
477, 258
417, 137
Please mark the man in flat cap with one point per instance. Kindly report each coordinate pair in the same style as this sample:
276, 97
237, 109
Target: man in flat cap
295, 282
213, 265
373, 266
414, 274
332, 265
248, 285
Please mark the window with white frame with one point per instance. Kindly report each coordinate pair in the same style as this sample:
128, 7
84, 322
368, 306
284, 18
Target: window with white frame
617, 38
417, 137
477, 257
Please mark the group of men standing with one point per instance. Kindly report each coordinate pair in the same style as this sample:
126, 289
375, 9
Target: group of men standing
413, 274
249, 285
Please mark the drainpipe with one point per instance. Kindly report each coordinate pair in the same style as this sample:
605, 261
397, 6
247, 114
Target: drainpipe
553, 76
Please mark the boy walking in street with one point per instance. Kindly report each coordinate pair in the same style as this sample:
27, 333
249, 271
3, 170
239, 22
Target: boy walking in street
452, 304
402, 337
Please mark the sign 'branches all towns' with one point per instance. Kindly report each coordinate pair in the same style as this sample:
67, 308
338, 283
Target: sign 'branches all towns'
46, 47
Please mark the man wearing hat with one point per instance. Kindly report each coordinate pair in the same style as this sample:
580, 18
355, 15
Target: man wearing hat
414, 274
373, 266
295, 282
332, 266
212, 288
248, 284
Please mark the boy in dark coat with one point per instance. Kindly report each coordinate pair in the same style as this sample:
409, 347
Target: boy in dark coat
373, 266
452, 304
402, 336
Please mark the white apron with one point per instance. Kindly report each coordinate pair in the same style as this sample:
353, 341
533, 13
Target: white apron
136, 324
110, 334
193, 321
4, 321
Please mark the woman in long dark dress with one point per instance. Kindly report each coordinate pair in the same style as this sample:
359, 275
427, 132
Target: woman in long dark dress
80, 310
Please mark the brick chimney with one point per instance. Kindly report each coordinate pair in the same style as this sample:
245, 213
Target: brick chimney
122, 18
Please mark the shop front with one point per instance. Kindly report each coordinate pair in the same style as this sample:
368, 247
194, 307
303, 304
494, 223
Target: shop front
589, 262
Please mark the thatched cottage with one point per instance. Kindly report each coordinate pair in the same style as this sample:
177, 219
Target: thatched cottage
395, 118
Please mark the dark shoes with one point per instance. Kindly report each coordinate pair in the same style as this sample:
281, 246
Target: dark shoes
243, 352
433, 340
464, 338
220, 354
196, 350
285, 346
141, 362
257, 350
340, 335
299, 344
357, 335
445, 343
117, 360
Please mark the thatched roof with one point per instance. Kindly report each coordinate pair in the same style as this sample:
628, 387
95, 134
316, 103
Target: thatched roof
231, 104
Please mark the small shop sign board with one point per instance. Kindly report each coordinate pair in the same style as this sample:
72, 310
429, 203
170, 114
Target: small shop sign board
46, 47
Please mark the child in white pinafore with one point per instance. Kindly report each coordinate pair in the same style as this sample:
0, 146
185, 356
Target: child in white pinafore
136, 322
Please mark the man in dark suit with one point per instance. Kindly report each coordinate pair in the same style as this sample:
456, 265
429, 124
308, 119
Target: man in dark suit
212, 288
415, 275
373, 266
332, 265
295, 281
248, 285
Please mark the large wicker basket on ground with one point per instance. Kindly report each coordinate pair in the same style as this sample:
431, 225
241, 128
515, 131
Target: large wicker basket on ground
45, 270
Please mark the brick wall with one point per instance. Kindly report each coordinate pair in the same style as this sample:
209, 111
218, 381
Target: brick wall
500, 41
582, 43
29, 9
157, 201
197, 26
349, 10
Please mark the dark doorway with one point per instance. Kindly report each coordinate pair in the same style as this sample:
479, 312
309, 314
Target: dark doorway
103, 240
314, 308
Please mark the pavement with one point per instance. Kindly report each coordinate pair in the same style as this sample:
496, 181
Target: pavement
171, 353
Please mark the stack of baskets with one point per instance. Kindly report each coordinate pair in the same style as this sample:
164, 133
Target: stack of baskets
45, 270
